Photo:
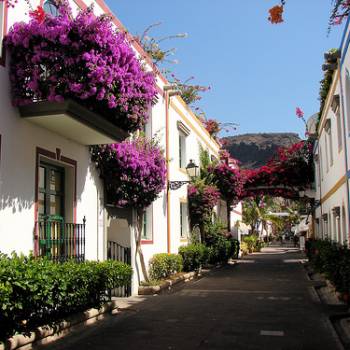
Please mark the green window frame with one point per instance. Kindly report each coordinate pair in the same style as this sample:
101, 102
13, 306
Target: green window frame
51, 189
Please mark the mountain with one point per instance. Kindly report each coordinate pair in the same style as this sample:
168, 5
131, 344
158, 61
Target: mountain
255, 150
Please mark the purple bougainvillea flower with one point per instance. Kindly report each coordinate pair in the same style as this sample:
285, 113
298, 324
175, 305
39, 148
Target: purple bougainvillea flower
82, 58
134, 172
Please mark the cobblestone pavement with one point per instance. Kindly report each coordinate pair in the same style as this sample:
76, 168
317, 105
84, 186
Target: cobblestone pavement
265, 301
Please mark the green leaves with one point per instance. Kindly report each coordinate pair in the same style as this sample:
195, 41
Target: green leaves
164, 265
36, 291
194, 256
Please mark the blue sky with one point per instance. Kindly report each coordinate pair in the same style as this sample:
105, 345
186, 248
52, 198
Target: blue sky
258, 72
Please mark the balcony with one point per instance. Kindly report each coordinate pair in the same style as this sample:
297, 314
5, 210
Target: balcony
60, 241
73, 121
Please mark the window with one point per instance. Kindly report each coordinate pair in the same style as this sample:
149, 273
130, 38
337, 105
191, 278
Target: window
147, 226
51, 8
327, 155
51, 190
325, 224
329, 141
183, 220
317, 170
182, 150
339, 130
336, 111
334, 233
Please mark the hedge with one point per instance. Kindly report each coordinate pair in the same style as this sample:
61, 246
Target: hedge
37, 291
333, 260
220, 251
194, 256
252, 243
164, 265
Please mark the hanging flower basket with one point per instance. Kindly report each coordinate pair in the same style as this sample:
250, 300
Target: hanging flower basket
82, 58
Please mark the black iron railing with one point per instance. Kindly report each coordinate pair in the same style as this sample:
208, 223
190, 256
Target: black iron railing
60, 241
117, 252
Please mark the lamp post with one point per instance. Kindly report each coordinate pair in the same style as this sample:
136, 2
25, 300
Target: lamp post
192, 171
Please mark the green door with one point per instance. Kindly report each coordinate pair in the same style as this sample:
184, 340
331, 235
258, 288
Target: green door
51, 210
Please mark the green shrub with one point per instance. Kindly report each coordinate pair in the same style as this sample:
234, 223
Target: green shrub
221, 246
253, 243
235, 247
164, 265
194, 256
219, 251
244, 248
36, 291
331, 259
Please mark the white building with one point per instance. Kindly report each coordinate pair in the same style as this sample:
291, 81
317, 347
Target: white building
45, 168
331, 153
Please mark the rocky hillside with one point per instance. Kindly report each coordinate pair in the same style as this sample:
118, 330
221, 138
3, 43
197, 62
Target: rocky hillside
254, 150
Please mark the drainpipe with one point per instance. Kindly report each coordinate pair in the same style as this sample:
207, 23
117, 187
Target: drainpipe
167, 103
345, 143
97, 219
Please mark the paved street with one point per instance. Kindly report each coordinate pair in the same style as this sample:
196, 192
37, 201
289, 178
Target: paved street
264, 302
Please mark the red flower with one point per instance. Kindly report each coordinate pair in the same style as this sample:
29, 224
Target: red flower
276, 13
299, 112
38, 14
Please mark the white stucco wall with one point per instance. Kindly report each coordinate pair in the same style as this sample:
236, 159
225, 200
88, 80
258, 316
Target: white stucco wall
20, 138
331, 179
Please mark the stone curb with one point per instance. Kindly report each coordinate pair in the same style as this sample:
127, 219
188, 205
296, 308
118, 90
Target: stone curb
47, 334
168, 284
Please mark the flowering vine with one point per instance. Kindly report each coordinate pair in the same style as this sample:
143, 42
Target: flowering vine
290, 171
133, 171
82, 58
152, 45
341, 9
213, 126
202, 199
230, 182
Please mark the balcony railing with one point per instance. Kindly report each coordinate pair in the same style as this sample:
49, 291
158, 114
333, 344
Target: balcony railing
60, 241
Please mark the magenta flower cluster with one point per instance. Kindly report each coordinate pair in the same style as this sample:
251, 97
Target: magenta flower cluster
134, 172
229, 181
83, 58
202, 200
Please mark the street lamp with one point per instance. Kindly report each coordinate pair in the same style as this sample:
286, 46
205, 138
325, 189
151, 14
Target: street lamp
192, 171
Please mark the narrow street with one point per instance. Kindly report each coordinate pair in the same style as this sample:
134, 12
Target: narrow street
264, 302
